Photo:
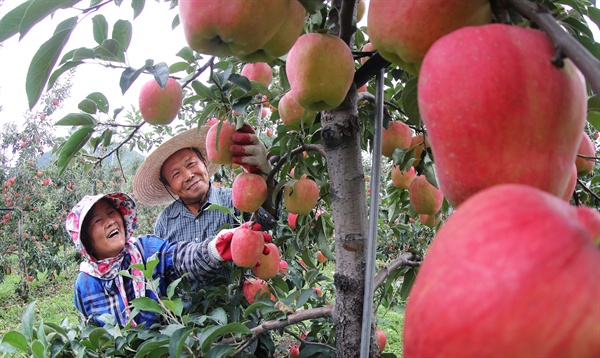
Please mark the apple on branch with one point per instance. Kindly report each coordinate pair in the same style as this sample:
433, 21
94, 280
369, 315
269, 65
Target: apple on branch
301, 196
260, 72
397, 135
293, 114
160, 105
424, 197
218, 141
247, 247
248, 192
588, 149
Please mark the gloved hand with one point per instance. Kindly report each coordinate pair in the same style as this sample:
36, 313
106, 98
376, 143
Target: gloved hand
249, 151
220, 246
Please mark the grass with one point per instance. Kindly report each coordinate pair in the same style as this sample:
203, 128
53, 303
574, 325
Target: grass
54, 300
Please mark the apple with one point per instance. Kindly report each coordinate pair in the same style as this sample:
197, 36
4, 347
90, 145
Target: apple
284, 39
381, 338
588, 149
368, 47
160, 106
320, 69
301, 196
498, 262
269, 264
317, 291
55, 102
571, 185
249, 192
404, 30
231, 27
212, 121
293, 114
419, 143
360, 10
253, 287
292, 219
402, 179
260, 72
397, 135
429, 220
481, 130
246, 247
218, 141
320, 257
294, 351
283, 267
424, 197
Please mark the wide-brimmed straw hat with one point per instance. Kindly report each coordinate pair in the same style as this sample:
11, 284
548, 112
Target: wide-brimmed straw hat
147, 187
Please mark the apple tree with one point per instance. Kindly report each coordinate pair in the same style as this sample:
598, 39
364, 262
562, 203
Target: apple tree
338, 124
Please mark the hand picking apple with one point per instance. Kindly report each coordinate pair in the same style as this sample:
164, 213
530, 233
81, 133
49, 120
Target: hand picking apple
249, 151
242, 245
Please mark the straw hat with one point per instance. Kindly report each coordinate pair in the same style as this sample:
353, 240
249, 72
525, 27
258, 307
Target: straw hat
147, 187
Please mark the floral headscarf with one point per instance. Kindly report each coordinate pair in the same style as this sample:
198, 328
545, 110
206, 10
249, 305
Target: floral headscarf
108, 269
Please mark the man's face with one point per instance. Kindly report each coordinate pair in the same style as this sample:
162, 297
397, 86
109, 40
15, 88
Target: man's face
186, 175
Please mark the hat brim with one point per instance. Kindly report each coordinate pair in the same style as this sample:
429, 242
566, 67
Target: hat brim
147, 187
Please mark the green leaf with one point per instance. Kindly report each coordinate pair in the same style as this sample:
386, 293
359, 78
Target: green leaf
88, 106
186, 54
242, 81
44, 60
161, 74
409, 279
138, 6
594, 119
178, 341
9, 24
201, 89
83, 53
207, 337
579, 26
147, 304
149, 346
109, 50
100, 26
129, 76
175, 22
122, 32
100, 101
239, 105
219, 351
593, 13
172, 286
223, 209
27, 321
75, 142
16, 340
594, 103
106, 137
64, 68
38, 10
37, 348
409, 102
76, 119
98, 337
179, 66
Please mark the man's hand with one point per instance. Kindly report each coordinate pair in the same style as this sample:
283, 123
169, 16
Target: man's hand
220, 246
249, 151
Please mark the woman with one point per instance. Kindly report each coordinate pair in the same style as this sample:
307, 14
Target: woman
101, 227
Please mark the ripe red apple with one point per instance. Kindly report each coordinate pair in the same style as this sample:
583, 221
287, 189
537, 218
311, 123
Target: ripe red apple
294, 351
292, 219
293, 114
269, 264
253, 287
246, 247
217, 148
429, 220
55, 102
368, 47
301, 196
231, 27
381, 338
320, 68
249, 192
571, 185
260, 72
588, 149
320, 257
418, 144
404, 30
158, 105
284, 39
481, 129
397, 135
424, 197
402, 179
212, 121
520, 271
283, 267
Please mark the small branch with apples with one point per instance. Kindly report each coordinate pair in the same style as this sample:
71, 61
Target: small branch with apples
587, 190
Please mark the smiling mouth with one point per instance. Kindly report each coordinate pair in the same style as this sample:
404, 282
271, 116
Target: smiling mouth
113, 233
193, 185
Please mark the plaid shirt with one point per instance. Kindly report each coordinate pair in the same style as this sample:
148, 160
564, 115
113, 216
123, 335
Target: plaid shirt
95, 297
176, 223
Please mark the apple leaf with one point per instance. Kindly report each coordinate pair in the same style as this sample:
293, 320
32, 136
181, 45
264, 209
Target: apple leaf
242, 81
161, 74
9, 24
100, 101
16, 340
175, 22
409, 279
138, 6
147, 304
129, 76
76, 119
593, 13
409, 102
64, 68
100, 26
88, 106
107, 137
186, 54
83, 53
240, 104
75, 142
109, 50
45, 58
122, 32
37, 10
594, 119
207, 337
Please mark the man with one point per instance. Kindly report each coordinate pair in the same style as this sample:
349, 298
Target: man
178, 171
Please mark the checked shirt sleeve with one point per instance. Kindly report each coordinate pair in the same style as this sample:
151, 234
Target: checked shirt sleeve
196, 260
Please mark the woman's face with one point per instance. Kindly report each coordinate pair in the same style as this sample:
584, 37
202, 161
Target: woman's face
105, 231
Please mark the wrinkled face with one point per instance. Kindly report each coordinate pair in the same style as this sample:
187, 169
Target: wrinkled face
106, 231
186, 175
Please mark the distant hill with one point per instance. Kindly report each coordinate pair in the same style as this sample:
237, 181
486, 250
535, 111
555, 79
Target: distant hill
127, 158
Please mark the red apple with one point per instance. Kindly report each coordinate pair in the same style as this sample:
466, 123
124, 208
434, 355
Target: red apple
397, 135
317, 291
260, 72
160, 105
424, 197
217, 148
231, 27
293, 114
246, 247
402, 179
368, 47
404, 30
521, 274
320, 69
269, 264
320, 257
418, 144
55, 102
381, 338
588, 149
294, 351
429, 220
481, 129
212, 121
249, 192
253, 287
301, 196
283, 267
292, 219
571, 185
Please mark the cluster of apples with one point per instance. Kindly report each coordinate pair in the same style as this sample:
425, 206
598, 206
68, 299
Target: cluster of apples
515, 270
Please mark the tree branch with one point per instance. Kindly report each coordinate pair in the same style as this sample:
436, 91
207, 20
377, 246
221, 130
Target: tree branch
588, 190
565, 43
293, 318
405, 259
